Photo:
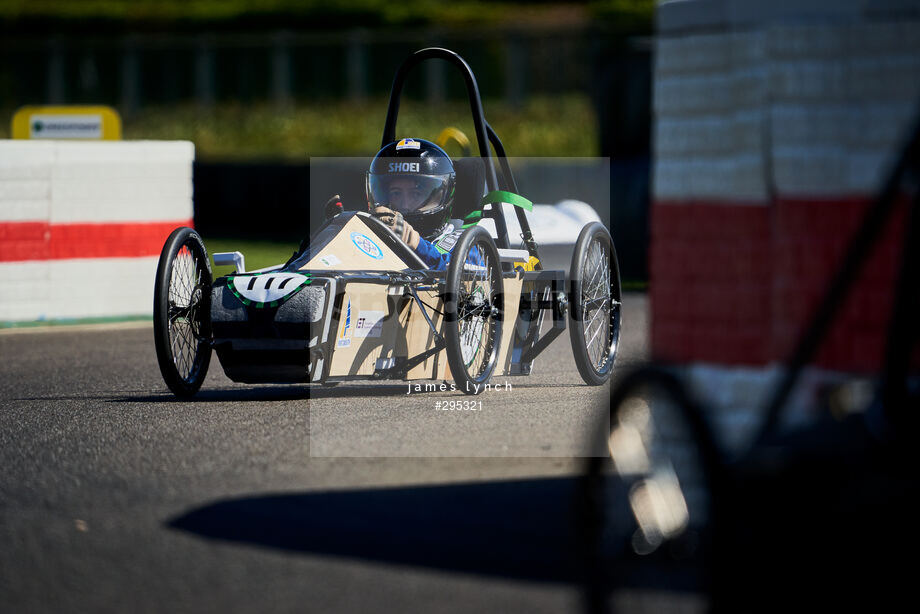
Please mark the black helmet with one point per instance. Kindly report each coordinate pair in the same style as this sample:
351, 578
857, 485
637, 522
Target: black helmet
416, 178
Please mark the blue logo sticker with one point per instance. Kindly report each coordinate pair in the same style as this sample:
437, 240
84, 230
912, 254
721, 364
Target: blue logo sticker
366, 245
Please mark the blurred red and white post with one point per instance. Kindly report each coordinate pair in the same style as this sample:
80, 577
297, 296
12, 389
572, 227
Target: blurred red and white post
775, 124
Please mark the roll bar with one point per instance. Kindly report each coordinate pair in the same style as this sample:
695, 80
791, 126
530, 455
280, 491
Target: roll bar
484, 135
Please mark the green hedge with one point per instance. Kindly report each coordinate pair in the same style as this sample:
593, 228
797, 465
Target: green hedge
636, 15
543, 126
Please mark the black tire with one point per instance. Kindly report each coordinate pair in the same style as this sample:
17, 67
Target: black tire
182, 312
473, 304
595, 304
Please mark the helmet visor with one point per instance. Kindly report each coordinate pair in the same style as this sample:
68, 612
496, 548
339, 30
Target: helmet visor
407, 193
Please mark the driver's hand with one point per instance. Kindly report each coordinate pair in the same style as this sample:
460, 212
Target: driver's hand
398, 225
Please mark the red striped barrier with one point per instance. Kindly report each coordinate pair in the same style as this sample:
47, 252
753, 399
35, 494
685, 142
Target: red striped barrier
82, 225
22, 241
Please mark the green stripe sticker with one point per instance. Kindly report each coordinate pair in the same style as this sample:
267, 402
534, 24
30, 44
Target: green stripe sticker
501, 196
494, 197
472, 219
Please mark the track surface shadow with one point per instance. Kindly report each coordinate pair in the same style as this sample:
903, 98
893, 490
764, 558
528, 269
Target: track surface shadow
520, 529
284, 392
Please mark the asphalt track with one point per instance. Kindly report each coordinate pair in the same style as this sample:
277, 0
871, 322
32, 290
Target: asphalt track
116, 497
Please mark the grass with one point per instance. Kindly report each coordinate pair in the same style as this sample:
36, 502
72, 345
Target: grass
67, 322
258, 254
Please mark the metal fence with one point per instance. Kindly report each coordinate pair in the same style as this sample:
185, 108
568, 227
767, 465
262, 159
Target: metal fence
134, 70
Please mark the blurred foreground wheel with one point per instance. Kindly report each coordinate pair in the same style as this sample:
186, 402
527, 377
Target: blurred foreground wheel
646, 514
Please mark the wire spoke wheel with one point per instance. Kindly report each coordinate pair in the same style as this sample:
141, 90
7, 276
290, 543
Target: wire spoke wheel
181, 312
596, 307
473, 307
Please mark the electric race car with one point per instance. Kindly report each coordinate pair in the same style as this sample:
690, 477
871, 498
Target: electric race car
357, 303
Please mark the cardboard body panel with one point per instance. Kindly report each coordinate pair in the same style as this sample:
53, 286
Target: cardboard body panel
356, 247
512, 303
419, 338
376, 327
367, 331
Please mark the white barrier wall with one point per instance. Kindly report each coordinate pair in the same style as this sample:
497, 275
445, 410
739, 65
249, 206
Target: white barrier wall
82, 224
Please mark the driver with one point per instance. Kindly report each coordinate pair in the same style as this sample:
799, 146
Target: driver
410, 188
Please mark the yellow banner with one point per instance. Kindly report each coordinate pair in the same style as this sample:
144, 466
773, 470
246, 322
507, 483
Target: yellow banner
67, 122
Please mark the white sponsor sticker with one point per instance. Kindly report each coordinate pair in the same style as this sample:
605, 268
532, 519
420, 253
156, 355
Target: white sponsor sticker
408, 144
448, 242
385, 363
369, 323
343, 343
330, 260
65, 127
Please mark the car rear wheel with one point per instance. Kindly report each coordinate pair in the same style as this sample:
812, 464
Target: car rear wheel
182, 312
473, 324
595, 302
